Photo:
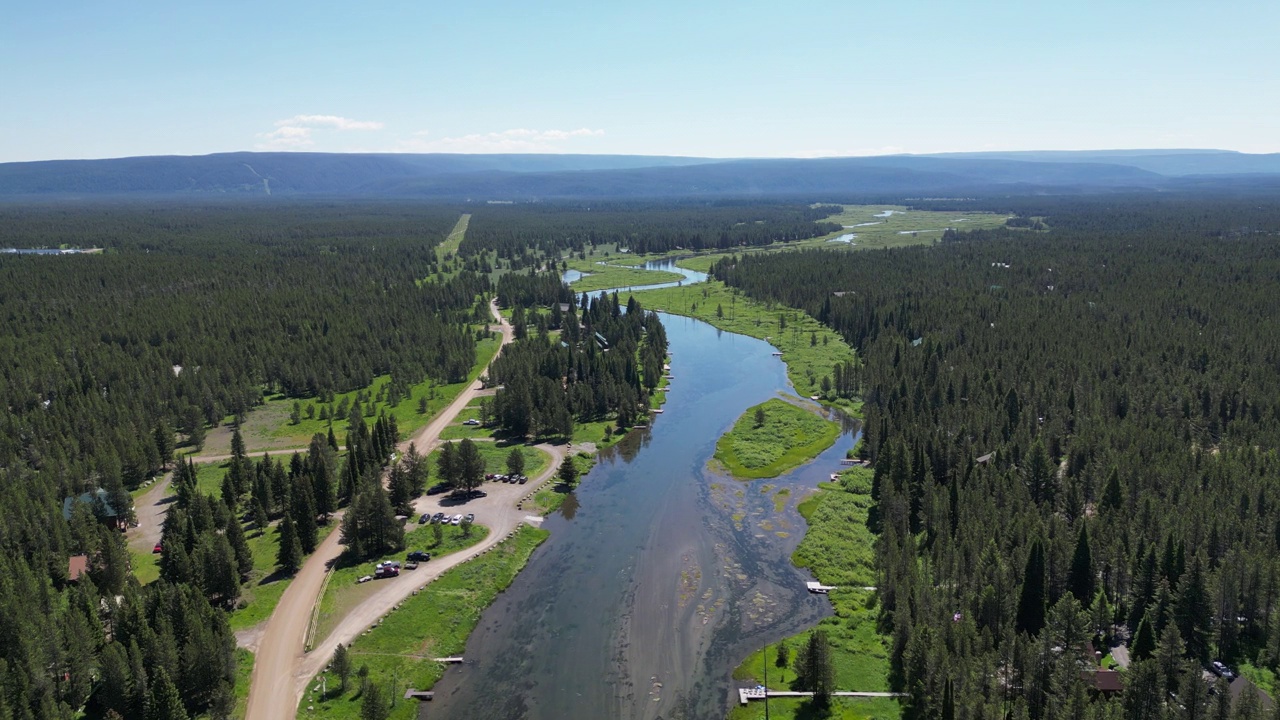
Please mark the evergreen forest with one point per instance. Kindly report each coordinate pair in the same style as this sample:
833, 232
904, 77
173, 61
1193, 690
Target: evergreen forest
531, 231
1074, 438
603, 362
116, 362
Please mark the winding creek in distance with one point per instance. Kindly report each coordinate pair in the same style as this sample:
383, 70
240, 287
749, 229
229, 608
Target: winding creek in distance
660, 575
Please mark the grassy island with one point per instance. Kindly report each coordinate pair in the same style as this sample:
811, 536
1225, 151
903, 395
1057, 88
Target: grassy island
773, 437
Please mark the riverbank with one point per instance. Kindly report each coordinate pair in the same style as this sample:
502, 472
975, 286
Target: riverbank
398, 653
772, 438
838, 549
809, 348
597, 276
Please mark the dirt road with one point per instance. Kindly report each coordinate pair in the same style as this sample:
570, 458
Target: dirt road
149, 508
275, 688
497, 511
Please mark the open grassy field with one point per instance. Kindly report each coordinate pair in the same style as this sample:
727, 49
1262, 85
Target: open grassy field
809, 348
455, 237
788, 436
268, 426
434, 623
342, 592
886, 226
876, 227
146, 566
837, 548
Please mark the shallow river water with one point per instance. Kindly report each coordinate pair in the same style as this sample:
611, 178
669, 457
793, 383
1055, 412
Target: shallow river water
660, 574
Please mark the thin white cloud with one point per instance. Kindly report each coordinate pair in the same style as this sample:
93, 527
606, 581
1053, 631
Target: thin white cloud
297, 132
515, 140
329, 121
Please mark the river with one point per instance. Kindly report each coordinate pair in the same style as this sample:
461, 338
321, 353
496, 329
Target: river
660, 575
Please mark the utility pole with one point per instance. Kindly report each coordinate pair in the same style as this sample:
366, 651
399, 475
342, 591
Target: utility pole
766, 681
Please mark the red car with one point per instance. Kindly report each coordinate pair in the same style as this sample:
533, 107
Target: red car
157, 548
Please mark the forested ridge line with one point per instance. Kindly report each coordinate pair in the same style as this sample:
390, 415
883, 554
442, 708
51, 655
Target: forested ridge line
190, 315
529, 230
1074, 437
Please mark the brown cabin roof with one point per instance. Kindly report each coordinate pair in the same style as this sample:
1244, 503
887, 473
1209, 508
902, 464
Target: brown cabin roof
1104, 681
77, 566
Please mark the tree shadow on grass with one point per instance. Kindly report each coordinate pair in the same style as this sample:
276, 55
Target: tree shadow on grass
277, 575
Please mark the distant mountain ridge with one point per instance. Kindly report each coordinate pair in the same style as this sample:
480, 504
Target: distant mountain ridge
521, 176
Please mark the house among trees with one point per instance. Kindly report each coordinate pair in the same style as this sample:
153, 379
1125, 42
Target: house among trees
77, 565
1103, 682
100, 501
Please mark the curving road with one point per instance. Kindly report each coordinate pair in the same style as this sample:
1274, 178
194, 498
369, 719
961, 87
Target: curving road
280, 672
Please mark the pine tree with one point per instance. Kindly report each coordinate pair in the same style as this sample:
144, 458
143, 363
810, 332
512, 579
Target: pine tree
1080, 580
112, 694
289, 556
1112, 497
447, 467
470, 466
342, 665
163, 436
418, 470
515, 462
1032, 597
1144, 641
398, 489
820, 670
260, 518
568, 472
303, 511
244, 557
165, 703
374, 704
1193, 610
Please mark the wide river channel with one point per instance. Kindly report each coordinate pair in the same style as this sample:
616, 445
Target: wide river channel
660, 574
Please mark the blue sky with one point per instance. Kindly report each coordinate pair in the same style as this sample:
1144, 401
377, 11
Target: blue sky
710, 78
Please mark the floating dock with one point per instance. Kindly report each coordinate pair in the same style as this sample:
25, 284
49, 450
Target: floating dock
746, 695
819, 588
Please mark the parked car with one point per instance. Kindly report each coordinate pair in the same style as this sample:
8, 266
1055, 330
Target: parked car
1221, 670
437, 518
426, 518
470, 517
471, 421
419, 556
524, 479
411, 565
455, 520
386, 569
157, 548
438, 488
364, 578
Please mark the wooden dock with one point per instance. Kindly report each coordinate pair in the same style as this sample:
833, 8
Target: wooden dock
422, 695
819, 588
746, 695
449, 660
